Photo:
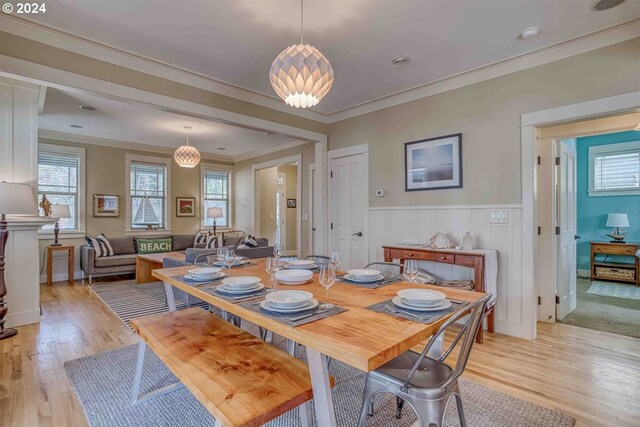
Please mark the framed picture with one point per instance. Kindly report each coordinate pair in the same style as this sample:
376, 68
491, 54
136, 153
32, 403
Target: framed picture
106, 205
185, 206
434, 163
291, 203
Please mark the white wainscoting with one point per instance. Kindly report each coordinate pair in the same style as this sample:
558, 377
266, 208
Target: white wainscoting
417, 225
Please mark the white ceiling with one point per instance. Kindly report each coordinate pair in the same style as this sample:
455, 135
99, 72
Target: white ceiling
235, 41
138, 123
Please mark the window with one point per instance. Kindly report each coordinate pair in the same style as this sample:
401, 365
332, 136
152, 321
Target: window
614, 169
60, 178
215, 193
148, 180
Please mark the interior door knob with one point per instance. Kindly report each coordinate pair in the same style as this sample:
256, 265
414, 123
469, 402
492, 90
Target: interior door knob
359, 234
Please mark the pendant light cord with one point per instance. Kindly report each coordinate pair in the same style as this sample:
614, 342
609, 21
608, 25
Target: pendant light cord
301, 21
187, 128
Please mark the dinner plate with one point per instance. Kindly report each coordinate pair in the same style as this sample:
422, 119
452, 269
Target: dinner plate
363, 272
289, 299
294, 276
227, 290
204, 278
204, 271
364, 279
398, 302
300, 267
235, 263
421, 297
313, 303
240, 282
413, 303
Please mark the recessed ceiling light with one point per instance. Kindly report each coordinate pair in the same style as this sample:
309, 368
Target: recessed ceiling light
606, 4
400, 60
76, 126
530, 32
87, 108
221, 148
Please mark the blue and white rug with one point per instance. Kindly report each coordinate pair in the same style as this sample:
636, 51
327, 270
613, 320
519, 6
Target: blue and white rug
609, 289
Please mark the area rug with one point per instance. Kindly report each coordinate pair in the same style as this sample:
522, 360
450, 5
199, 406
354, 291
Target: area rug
103, 382
608, 289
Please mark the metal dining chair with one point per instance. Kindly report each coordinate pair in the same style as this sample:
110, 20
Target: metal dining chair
427, 384
319, 259
390, 270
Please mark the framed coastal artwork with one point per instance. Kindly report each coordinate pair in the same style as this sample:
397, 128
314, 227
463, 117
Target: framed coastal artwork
106, 205
185, 206
434, 163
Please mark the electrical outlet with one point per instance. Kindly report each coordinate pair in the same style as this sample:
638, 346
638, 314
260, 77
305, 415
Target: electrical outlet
305, 217
499, 217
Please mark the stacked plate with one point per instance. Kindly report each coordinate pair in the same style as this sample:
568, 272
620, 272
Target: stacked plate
239, 285
421, 300
204, 274
364, 275
303, 264
294, 276
289, 301
240, 260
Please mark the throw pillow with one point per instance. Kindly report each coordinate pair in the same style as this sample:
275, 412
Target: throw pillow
250, 242
100, 245
201, 238
152, 246
212, 242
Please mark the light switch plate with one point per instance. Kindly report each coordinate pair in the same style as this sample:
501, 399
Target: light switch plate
499, 217
305, 217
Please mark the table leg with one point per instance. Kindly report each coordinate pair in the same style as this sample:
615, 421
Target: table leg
49, 266
171, 301
325, 413
71, 264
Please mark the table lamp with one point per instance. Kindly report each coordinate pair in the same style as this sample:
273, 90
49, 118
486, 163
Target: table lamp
214, 213
59, 212
14, 199
146, 215
618, 221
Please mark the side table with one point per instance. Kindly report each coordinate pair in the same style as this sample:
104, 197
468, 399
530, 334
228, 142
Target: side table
71, 251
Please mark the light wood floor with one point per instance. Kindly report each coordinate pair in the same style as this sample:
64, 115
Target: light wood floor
590, 375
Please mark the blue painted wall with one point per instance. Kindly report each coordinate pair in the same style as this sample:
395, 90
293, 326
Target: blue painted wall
593, 211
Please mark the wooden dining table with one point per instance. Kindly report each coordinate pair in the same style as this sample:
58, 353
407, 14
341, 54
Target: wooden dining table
359, 337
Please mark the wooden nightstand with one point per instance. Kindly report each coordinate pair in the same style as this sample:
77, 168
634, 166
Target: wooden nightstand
616, 271
50, 250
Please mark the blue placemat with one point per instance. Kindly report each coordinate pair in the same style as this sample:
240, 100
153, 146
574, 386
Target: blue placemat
388, 307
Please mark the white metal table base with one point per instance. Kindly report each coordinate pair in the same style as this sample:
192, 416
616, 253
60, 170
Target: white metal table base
135, 390
321, 388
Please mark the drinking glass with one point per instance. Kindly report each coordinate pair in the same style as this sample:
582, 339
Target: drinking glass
411, 270
229, 258
272, 268
327, 279
220, 254
335, 260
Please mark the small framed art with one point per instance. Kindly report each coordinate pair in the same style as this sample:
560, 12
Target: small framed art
185, 206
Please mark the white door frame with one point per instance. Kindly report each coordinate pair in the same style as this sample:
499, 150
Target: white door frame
335, 154
529, 123
312, 170
278, 162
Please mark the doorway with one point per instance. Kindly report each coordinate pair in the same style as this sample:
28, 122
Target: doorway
578, 191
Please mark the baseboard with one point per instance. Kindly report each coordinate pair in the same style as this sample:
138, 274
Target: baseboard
61, 277
22, 318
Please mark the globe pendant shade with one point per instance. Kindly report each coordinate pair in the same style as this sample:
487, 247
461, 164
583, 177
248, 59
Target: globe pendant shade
301, 76
187, 156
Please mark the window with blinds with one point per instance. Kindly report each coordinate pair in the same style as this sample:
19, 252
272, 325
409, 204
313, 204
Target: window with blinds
215, 193
58, 179
148, 195
616, 169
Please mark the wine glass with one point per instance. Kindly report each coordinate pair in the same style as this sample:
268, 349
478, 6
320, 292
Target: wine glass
335, 260
411, 270
229, 258
272, 268
220, 254
327, 279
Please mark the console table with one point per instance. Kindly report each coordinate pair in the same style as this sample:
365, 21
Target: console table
618, 270
472, 259
146, 263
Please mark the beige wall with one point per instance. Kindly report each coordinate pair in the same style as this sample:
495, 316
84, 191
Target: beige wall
266, 202
243, 188
291, 214
105, 173
488, 116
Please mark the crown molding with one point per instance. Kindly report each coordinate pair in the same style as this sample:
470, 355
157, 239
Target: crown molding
50, 135
268, 150
566, 49
102, 52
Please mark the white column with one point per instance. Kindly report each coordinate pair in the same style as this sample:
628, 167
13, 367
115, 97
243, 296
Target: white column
19, 163
320, 210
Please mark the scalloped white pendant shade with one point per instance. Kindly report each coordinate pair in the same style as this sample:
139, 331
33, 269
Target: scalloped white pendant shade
301, 76
187, 156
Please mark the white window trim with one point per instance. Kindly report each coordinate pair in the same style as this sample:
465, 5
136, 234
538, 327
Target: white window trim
129, 158
80, 152
212, 167
610, 148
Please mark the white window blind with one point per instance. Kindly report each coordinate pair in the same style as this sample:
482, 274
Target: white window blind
216, 194
617, 171
58, 179
148, 180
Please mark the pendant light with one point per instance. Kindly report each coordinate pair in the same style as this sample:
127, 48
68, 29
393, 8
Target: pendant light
301, 75
187, 156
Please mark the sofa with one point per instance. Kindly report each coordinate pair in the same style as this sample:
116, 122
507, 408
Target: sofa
123, 260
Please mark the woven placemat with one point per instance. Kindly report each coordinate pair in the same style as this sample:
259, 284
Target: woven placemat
286, 318
371, 285
388, 307
236, 299
183, 279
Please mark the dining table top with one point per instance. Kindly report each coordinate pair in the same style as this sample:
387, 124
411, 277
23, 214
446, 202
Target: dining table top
362, 338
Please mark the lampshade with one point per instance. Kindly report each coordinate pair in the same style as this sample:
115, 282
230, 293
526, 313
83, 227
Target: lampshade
60, 211
187, 156
637, 127
17, 199
617, 220
301, 76
146, 215
214, 213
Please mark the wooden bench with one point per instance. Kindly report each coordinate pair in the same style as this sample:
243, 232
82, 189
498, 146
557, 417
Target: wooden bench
240, 379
